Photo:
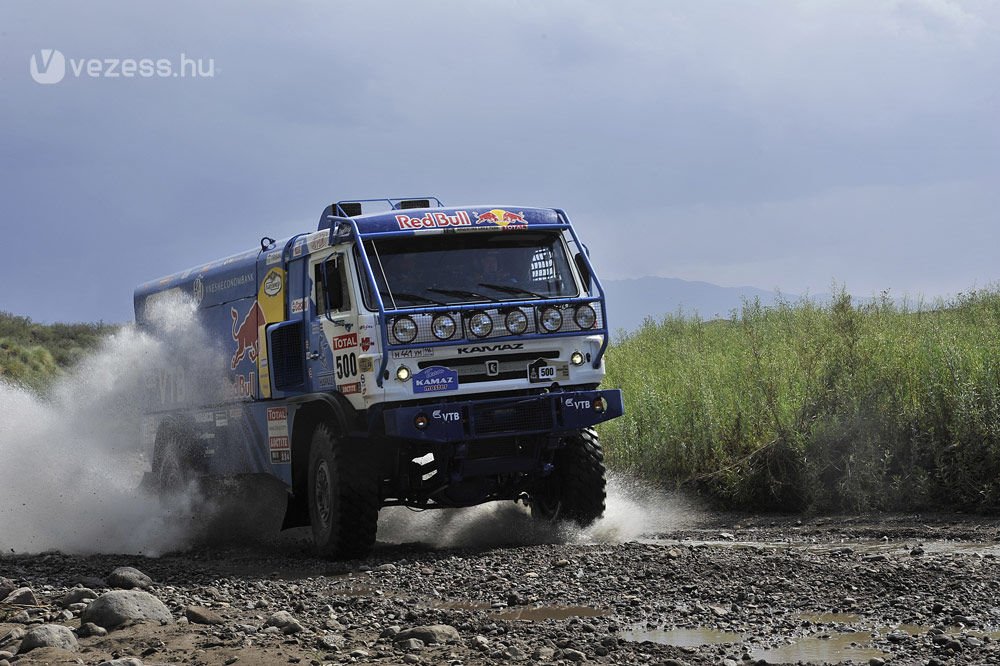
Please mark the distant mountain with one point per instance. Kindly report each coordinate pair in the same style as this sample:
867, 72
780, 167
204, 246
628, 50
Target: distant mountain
631, 301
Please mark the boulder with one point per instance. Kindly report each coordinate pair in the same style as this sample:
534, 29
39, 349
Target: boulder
433, 633
22, 596
48, 635
129, 578
202, 615
77, 595
115, 608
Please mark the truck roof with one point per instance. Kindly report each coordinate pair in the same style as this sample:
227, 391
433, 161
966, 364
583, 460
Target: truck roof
234, 277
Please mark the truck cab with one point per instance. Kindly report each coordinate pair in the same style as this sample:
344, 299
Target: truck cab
404, 353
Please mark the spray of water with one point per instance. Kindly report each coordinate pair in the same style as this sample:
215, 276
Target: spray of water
71, 462
634, 509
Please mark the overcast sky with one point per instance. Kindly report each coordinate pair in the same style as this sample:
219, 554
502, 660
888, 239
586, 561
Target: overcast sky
775, 144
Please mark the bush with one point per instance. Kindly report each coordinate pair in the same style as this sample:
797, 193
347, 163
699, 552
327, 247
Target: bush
836, 407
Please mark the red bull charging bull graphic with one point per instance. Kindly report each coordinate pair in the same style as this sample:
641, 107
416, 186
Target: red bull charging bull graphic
502, 218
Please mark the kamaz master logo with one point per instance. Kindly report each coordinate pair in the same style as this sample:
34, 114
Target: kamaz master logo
509, 346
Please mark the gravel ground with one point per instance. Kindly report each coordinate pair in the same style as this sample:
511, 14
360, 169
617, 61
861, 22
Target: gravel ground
719, 590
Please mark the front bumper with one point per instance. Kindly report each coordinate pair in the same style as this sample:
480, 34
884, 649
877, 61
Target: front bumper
503, 417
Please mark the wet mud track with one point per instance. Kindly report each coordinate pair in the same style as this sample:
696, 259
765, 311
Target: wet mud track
730, 589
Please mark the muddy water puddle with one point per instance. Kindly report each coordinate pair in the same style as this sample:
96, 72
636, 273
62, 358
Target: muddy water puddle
829, 618
831, 648
540, 613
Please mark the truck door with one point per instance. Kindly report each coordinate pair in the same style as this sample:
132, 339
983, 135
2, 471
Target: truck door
333, 331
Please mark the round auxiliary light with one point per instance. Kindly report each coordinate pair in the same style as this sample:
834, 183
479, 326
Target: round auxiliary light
404, 329
516, 322
480, 324
443, 327
585, 317
551, 320
402, 373
421, 421
576, 358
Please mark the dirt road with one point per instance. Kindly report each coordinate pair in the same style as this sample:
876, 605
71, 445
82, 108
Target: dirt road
719, 590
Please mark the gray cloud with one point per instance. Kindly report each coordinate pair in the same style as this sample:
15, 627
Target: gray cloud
781, 145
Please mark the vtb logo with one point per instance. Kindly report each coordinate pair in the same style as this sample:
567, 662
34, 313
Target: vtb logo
49, 67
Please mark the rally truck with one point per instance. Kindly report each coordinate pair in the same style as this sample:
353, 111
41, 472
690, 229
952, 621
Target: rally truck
403, 354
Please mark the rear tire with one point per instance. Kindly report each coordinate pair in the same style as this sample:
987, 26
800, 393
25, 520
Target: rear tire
343, 496
173, 469
576, 490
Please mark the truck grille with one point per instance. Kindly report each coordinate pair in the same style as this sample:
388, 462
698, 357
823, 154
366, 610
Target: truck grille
517, 416
473, 369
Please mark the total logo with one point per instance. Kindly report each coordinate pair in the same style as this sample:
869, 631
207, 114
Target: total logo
577, 403
447, 417
502, 218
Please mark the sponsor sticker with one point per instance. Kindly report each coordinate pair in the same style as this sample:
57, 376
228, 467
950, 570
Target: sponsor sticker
297, 249
435, 379
198, 291
482, 349
221, 420
277, 436
349, 389
318, 240
426, 352
366, 343
502, 218
434, 220
577, 403
272, 282
366, 364
446, 415
345, 341
298, 305
545, 371
273, 257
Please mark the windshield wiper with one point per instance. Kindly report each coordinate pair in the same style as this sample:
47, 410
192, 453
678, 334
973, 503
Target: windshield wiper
416, 298
510, 290
462, 293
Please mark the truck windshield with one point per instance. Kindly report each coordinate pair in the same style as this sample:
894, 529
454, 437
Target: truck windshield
447, 269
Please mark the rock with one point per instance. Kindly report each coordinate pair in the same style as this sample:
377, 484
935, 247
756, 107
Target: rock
674, 554
561, 563
389, 632
916, 551
513, 652
411, 659
129, 578
434, 633
284, 622
6, 587
574, 655
77, 595
543, 654
202, 615
481, 643
876, 661
388, 567
93, 582
22, 596
48, 635
359, 654
130, 661
90, 629
113, 609
410, 645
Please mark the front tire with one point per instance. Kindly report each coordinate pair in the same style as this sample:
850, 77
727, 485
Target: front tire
343, 496
576, 491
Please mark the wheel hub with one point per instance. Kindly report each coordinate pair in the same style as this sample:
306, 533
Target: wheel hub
323, 499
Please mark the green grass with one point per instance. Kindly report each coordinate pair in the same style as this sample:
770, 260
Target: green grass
33, 354
838, 407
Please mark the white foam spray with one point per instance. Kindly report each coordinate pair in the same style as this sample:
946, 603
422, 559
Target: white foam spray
71, 462
634, 509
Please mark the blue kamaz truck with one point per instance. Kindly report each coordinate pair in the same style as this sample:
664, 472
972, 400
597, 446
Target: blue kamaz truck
404, 353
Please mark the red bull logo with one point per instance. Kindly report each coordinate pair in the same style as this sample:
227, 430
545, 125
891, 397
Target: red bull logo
502, 218
245, 334
434, 220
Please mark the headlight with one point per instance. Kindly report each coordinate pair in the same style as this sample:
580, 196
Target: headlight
576, 358
404, 329
402, 373
480, 324
443, 327
517, 322
585, 317
551, 320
